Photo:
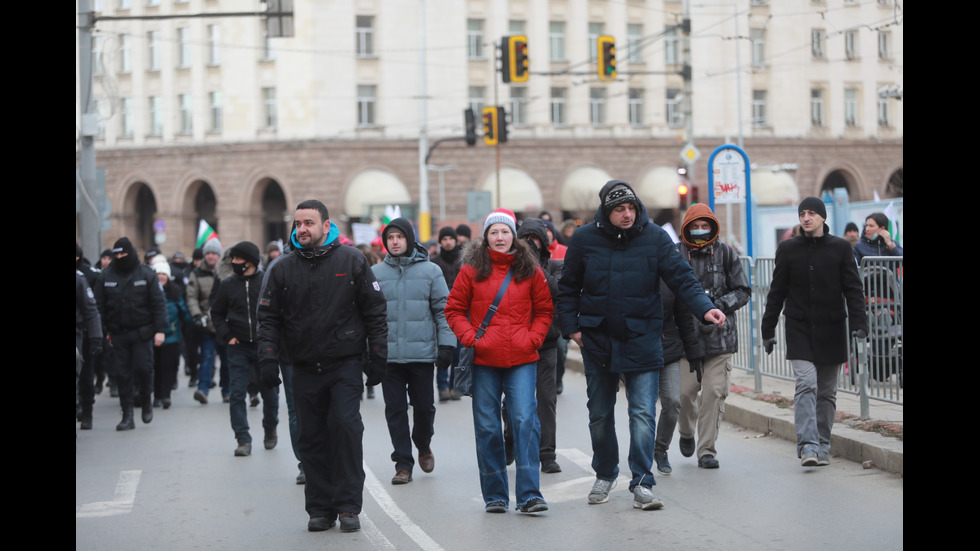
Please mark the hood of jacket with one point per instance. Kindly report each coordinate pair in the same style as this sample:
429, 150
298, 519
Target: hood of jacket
696, 212
537, 228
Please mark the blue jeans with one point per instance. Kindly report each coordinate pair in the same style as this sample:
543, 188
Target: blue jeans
241, 358
517, 383
814, 405
641, 395
206, 371
670, 404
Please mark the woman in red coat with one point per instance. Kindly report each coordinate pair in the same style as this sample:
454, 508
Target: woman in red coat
505, 357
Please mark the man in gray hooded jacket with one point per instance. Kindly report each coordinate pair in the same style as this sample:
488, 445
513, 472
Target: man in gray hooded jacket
418, 335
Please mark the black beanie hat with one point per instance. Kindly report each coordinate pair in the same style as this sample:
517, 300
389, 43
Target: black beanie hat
464, 230
198, 254
247, 250
447, 230
814, 204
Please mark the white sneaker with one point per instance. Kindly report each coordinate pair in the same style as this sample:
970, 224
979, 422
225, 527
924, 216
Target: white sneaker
643, 498
600, 491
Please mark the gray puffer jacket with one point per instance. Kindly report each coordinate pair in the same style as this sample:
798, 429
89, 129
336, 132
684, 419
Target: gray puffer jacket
416, 292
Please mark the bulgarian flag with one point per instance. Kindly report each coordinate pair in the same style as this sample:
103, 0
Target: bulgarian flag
205, 233
391, 212
893, 228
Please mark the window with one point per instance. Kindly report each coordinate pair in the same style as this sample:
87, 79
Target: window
851, 44
556, 39
816, 107
474, 38
124, 4
595, 30
758, 37
126, 117
155, 116
884, 114
675, 111
214, 45
884, 45
153, 51
366, 105
183, 47
671, 46
268, 52
559, 106
186, 106
269, 112
516, 26
478, 101
636, 106
634, 43
214, 99
518, 105
851, 107
818, 42
364, 36
597, 106
759, 115
125, 59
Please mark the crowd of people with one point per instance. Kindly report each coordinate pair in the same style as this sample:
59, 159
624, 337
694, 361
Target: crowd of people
318, 316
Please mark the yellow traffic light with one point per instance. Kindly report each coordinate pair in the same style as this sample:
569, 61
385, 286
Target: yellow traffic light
490, 125
606, 52
515, 62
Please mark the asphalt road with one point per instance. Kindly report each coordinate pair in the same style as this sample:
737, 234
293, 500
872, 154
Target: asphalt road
175, 484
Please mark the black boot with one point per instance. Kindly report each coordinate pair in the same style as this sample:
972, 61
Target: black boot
127, 419
86, 418
147, 410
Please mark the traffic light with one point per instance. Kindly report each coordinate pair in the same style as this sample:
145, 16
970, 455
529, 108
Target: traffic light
514, 60
606, 49
501, 125
682, 192
470, 119
490, 125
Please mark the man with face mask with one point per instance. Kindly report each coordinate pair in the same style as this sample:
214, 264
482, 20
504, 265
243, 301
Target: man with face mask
134, 314
236, 325
717, 267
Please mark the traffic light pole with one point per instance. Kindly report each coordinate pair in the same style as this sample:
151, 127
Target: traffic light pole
425, 221
496, 147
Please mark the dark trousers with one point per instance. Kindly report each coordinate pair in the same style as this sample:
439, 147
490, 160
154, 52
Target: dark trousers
165, 365
132, 361
546, 392
86, 384
414, 381
192, 354
328, 408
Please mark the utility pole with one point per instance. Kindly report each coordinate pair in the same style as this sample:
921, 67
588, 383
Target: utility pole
425, 221
89, 217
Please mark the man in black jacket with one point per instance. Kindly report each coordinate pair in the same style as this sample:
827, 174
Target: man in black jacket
134, 314
235, 322
815, 276
324, 305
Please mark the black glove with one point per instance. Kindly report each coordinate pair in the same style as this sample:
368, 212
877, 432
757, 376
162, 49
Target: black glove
859, 334
270, 375
95, 347
769, 344
376, 368
445, 357
697, 366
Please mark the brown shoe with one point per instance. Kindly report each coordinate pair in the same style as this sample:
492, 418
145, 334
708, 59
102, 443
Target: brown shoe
427, 461
401, 477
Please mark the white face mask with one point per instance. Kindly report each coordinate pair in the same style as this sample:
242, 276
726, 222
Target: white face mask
700, 233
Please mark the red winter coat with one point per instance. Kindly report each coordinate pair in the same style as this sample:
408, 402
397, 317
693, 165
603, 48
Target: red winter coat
522, 320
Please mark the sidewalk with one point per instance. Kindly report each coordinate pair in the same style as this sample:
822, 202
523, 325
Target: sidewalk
742, 408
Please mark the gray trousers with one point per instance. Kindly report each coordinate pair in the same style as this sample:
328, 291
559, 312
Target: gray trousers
814, 405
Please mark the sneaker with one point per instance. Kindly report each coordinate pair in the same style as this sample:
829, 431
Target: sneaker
809, 458
600, 491
301, 477
445, 395
349, 522
271, 439
401, 477
707, 461
427, 460
319, 524
643, 498
534, 505
244, 449
823, 459
496, 507
550, 467
200, 396
663, 465
687, 446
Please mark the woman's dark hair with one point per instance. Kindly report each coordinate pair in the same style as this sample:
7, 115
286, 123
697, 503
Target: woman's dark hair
477, 255
880, 219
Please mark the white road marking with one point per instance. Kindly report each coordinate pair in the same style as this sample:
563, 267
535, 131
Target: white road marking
122, 502
390, 508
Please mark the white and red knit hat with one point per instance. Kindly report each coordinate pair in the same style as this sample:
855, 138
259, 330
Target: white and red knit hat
501, 216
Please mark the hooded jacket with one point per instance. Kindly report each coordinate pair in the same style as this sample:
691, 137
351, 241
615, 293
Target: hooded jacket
416, 293
718, 269
610, 289
129, 296
552, 269
234, 311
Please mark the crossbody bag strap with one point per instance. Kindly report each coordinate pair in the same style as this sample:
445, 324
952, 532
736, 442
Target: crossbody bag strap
496, 302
